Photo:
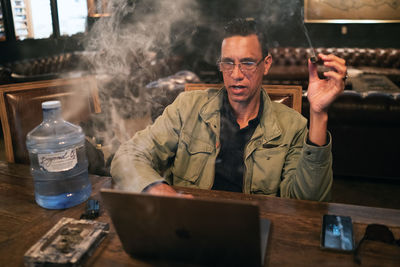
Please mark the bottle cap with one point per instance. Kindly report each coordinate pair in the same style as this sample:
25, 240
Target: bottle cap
51, 104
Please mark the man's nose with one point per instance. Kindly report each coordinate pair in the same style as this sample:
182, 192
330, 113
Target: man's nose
237, 73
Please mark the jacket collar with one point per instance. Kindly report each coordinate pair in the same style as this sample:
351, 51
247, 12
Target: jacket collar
269, 127
213, 106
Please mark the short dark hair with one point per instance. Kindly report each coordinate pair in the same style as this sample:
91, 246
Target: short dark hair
245, 27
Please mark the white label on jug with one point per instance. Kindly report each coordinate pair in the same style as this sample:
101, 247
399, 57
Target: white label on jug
60, 161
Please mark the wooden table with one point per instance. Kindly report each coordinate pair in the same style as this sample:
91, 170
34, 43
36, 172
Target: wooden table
294, 237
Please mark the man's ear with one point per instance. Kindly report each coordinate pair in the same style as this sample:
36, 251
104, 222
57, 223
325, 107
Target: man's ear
267, 64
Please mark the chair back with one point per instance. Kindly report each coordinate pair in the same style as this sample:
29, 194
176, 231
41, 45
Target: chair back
290, 95
21, 110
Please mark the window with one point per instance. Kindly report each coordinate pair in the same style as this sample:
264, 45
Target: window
22, 19
72, 16
39, 19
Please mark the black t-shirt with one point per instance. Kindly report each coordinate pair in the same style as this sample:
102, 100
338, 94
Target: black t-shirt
229, 165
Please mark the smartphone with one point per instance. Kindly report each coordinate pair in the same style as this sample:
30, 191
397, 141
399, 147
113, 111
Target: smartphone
337, 233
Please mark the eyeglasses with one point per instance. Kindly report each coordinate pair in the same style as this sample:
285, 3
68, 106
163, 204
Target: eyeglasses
246, 67
375, 232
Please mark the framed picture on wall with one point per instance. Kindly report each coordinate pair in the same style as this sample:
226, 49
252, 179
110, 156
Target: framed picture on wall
352, 11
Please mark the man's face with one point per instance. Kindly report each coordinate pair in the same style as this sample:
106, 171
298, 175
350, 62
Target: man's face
243, 86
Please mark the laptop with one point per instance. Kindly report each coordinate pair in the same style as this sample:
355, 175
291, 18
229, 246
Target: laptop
200, 231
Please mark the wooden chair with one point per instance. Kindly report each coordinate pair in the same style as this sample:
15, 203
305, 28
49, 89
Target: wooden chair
290, 95
21, 110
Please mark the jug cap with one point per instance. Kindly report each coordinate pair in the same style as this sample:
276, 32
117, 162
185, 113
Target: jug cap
51, 104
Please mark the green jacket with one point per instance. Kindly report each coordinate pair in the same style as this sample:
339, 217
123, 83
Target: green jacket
181, 146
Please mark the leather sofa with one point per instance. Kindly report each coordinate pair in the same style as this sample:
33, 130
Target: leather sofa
45, 68
290, 63
365, 119
365, 130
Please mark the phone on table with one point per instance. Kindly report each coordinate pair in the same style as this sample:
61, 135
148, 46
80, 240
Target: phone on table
337, 233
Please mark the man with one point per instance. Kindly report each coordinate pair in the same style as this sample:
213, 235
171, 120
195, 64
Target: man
236, 139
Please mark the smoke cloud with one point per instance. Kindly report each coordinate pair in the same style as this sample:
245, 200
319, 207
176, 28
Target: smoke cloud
134, 46
283, 21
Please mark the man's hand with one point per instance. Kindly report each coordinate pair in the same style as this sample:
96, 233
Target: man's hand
162, 189
322, 92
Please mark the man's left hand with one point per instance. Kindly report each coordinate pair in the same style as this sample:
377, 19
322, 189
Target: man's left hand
322, 92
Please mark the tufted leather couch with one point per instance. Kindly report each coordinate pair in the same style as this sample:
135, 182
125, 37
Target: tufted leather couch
57, 66
365, 130
290, 63
365, 119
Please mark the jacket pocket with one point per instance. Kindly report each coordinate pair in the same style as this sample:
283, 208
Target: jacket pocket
267, 170
190, 159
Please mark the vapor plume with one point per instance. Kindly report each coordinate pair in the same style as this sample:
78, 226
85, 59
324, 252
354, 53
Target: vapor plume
134, 47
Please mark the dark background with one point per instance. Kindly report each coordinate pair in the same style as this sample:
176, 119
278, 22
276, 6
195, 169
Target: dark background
281, 19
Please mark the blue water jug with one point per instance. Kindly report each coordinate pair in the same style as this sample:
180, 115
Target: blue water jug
58, 160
